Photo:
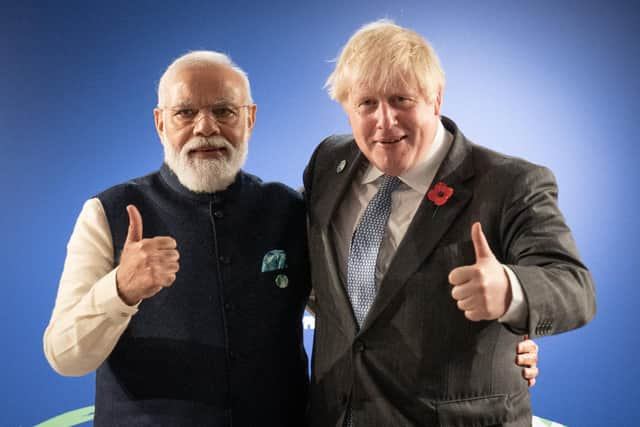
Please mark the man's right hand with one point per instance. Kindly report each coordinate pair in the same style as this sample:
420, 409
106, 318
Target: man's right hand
527, 357
146, 265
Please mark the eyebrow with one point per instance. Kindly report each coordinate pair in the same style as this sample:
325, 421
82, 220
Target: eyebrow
183, 104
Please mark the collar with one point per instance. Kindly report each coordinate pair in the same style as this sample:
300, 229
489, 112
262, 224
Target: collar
420, 176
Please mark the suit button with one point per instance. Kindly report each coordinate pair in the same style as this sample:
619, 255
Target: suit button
228, 306
232, 356
359, 346
224, 259
218, 214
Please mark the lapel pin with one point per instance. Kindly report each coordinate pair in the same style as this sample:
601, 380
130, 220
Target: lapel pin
341, 166
282, 281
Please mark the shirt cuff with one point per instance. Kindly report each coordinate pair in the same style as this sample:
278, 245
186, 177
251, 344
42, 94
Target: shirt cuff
106, 297
516, 314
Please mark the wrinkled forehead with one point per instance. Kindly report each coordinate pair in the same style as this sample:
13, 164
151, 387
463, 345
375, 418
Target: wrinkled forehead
204, 85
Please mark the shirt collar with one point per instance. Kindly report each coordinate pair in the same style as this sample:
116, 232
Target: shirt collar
420, 176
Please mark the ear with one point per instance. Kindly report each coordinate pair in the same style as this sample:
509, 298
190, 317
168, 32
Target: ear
349, 110
437, 103
251, 116
157, 117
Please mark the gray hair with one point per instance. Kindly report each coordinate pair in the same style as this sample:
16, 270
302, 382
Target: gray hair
199, 58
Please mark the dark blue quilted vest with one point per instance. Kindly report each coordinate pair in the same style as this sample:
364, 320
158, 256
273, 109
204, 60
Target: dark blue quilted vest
223, 345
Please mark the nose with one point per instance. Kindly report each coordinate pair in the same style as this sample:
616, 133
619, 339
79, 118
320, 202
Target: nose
385, 116
205, 124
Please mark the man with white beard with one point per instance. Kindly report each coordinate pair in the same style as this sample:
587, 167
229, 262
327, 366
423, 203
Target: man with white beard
184, 289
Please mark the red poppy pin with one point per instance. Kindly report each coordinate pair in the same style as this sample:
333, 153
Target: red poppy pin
439, 195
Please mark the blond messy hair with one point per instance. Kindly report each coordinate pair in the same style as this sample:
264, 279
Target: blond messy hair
381, 53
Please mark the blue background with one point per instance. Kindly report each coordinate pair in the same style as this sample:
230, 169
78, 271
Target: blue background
555, 82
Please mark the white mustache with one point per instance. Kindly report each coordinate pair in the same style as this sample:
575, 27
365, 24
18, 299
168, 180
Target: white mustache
216, 141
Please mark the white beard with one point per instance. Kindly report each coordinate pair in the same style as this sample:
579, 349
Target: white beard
205, 175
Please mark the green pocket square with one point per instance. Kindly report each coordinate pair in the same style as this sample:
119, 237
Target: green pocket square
275, 259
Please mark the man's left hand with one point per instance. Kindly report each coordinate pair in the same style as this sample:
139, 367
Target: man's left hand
482, 290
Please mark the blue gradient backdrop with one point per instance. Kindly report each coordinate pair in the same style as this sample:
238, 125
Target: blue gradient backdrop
555, 82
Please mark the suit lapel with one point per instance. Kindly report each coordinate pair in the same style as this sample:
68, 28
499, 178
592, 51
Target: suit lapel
338, 180
428, 225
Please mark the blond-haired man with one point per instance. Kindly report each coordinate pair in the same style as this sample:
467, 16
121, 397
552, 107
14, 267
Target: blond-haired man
431, 255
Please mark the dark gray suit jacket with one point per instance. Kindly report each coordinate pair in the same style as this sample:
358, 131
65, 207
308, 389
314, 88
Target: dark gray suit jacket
417, 361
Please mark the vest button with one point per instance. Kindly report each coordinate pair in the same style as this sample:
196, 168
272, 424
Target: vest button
224, 259
228, 306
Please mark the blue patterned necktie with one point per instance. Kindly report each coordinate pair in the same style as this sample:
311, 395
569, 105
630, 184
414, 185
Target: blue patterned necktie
363, 254
365, 244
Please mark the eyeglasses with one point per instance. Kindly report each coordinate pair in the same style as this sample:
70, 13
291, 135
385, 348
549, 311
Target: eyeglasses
223, 113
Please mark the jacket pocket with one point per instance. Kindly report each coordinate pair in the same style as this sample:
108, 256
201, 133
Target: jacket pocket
472, 412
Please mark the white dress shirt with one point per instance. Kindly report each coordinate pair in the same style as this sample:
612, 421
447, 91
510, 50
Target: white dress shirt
405, 201
89, 317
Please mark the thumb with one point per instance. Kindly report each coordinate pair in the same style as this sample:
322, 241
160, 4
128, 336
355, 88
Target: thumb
134, 234
480, 244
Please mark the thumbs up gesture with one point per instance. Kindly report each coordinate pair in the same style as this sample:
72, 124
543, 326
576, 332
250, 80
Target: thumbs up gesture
146, 265
482, 290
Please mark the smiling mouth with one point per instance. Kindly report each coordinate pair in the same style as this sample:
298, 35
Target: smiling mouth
387, 141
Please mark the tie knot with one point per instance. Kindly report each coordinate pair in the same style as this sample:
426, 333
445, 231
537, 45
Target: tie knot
389, 184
